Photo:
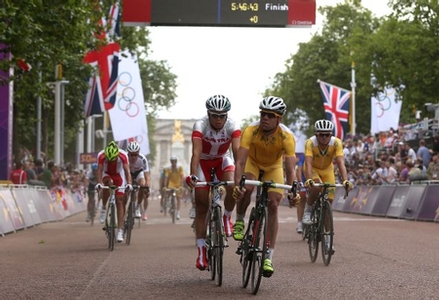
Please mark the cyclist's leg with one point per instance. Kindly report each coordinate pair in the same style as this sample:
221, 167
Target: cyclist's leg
229, 204
300, 208
90, 204
251, 172
140, 194
312, 196
145, 204
106, 180
179, 194
329, 177
201, 208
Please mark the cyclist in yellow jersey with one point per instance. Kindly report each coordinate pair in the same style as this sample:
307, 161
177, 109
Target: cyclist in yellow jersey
320, 152
174, 176
264, 145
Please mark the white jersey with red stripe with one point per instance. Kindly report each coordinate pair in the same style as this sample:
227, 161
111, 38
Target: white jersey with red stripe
113, 167
216, 144
141, 164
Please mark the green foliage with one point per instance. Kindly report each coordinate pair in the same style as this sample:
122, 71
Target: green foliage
48, 33
401, 50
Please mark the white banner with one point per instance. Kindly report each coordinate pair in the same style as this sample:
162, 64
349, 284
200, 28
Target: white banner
128, 116
385, 111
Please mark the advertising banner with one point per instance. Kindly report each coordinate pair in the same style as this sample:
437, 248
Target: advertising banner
26, 201
429, 208
398, 201
13, 214
347, 207
6, 225
21, 202
413, 201
383, 199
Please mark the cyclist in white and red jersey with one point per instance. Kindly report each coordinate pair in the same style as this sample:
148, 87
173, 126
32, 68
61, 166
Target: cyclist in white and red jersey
211, 138
139, 169
113, 169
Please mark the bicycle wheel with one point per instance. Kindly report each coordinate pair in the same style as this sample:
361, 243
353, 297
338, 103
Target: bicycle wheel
246, 250
305, 232
210, 238
173, 209
313, 237
218, 246
112, 227
129, 222
260, 249
327, 232
92, 212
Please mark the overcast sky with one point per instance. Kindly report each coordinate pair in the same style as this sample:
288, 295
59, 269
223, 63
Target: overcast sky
239, 63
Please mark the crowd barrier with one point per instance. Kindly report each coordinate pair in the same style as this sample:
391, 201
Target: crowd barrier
418, 202
25, 206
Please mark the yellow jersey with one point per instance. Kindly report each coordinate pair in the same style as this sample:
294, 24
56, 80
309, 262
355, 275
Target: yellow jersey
268, 152
322, 159
174, 177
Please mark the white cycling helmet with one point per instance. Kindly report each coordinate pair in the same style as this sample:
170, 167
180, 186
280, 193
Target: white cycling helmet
133, 147
218, 103
323, 125
275, 104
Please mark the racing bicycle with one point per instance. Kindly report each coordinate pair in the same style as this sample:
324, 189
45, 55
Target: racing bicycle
216, 239
170, 202
254, 246
131, 212
110, 224
321, 229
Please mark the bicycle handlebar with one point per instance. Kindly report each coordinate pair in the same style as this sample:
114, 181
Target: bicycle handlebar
333, 185
269, 184
113, 187
213, 183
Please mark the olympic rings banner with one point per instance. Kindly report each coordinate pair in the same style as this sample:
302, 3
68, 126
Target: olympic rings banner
128, 117
385, 111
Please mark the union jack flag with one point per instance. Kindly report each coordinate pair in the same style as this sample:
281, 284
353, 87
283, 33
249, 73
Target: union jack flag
103, 85
336, 104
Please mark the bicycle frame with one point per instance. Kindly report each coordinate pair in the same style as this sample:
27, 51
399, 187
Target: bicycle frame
322, 228
110, 220
216, 239
254, 246
171, 197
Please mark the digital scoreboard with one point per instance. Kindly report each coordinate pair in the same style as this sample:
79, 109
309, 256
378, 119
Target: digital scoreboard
231, 13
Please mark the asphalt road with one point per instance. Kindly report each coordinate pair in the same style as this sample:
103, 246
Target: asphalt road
376, 258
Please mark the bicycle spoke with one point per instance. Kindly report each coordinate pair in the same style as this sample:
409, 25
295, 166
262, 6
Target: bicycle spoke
313, 234
260, 247
246, 251
327, 233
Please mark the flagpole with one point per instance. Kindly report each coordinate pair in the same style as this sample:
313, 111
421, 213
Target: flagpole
353, 85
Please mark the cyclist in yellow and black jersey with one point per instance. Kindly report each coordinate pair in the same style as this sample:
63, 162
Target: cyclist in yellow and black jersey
173, 179
320, 152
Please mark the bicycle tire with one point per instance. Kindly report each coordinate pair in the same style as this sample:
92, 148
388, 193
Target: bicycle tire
260, 248
92, 211
218, 245
327, 233
313, 236
246, 251
173, 209
210, 237
129, 223
112, 227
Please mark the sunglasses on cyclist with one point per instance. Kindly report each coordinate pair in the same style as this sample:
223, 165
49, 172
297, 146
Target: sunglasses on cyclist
324, 134
218, 116
134, 154
268, 114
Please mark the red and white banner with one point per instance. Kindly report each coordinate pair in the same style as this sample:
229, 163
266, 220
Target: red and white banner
128, 116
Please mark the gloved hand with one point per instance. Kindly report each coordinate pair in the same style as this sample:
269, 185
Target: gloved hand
300, 185
191, 180
129, 187
348, 185
98, 186
293, 201
309, 183
238, 193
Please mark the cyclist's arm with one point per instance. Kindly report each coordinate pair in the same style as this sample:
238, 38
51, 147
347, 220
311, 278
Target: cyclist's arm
308, 167
99, 173
197, 147
290, 166
126, 169
147, 177
235, 146
240, 164
340, 163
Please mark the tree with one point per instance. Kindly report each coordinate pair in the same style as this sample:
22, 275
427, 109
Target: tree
47, 33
